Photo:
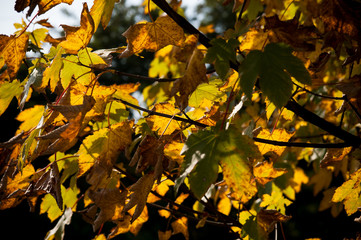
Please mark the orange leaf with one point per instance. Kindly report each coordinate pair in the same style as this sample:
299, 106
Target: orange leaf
79, 37
101, 11
181, 226
264, 172
153, 36
12, 53
46, 5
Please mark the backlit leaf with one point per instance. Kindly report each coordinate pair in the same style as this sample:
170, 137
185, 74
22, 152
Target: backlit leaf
59, 230
209, 91
163, 125
138, 198
153, 36
101, 11
181, 226
275, 200
268, 218
195, 75
8, 90
276, 135
79, 37
46, 5
12, 53
51, 74
264, 172
349, 193
30, 118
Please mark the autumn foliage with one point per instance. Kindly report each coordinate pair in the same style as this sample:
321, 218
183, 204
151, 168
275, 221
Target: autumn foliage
228, 123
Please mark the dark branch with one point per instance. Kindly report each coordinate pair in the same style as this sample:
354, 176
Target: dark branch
163, 114
116, 72
302, 144
310, 117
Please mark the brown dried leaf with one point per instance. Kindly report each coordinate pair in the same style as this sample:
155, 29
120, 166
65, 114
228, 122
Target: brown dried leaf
49, 182
195, 75
138, 198
334, 156
65, 136
111, 203
153, 36
268, 218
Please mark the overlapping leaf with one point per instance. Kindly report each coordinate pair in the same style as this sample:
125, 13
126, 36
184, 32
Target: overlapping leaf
8, 90
271, 66
153, 36
79, 37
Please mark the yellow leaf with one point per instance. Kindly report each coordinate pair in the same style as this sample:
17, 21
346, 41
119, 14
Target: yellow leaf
52, 73
181, 226
224, 205
138, 223
161, 189
195, 75
12, 53
8, 90
104, 146
264, 172
153, 36
276, 200
72, 70
254, 40
101, 11
172, 150
163, 125
79, 37
277, 135
46, 5
299, 178
100, 237
164, 213
20, 181
349, 193
30, 118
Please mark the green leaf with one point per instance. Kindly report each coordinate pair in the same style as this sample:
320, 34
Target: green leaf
249, 70
274, 66
253, 230
209, 91
204, 150
280, 54
200, 162
222, 52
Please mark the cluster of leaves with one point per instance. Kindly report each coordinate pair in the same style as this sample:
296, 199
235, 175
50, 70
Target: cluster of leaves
230, 137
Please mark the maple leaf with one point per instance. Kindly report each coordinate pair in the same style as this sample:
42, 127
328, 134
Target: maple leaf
65, 136
277, 135
334, 156
153, 36
103, 147
204, 150
49, 182
79, 37
162, 125
138, 198
12, 185
101, 11
268, 218
322, 180
301, 38
275, 200
12, 53
270, 65
8, 90
30, 118
195, 75
264, 172
349, 193
111, 202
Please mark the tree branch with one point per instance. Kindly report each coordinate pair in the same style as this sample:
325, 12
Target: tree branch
163, 114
